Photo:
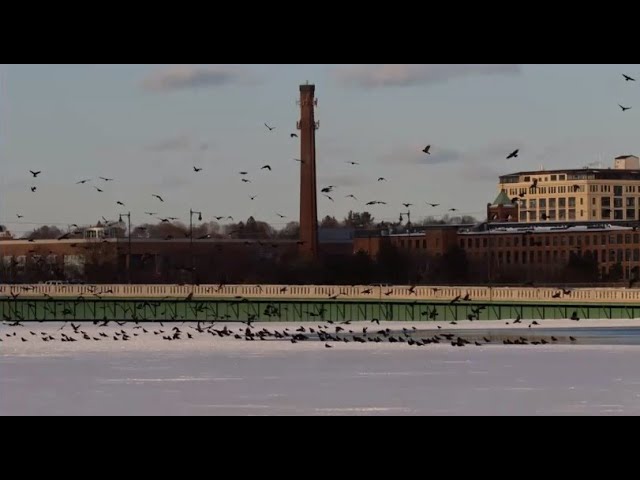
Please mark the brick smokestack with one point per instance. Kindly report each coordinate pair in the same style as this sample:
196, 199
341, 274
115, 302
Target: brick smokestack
308, 191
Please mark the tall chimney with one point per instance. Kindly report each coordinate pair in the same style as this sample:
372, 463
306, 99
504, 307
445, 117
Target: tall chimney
308, 192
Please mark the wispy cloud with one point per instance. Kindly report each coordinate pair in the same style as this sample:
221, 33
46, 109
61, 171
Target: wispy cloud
179, 77
405, 75
172, 144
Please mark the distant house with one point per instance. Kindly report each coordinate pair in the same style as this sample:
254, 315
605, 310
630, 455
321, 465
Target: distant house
4, 233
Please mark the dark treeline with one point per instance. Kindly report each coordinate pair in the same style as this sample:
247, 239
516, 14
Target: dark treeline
250, 229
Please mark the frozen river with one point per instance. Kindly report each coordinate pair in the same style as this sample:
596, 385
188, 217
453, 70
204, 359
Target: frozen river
208, 375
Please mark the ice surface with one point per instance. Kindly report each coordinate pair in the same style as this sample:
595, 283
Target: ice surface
214, 376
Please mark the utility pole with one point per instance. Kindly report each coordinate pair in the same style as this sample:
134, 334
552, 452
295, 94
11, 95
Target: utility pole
193, 266
128, 215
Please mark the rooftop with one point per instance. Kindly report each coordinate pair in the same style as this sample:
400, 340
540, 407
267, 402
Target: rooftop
513, 230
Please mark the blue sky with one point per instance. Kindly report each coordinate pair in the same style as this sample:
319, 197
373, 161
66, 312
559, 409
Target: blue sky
146, 126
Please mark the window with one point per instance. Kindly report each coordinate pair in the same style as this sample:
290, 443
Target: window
593, 214
507, 242
461, 243
562, 214
523, 216
555, 241
617, 203
469, 241
554, 178
563, 240
527, 179
417, 243
581, 201
631, 213
516, 241
508, 258
552, 215
636, 255
619, 239
424, 244
562, 202
627, 255
546, 241
593, 201
571, 240
562, 178
532, 204
603, 239
617, 190
572, 214
547, 256
500, 242
605, 213
619, 255
477, 243
587, 240
552, 203
631, 202
533, 216
516, 256
542, 203
617, 215
572, 202
484, 242
636, 238
605, 201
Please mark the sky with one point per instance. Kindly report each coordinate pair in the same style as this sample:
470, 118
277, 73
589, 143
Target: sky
147, 126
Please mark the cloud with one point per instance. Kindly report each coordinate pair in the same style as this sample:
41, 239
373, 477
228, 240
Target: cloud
179, 77
172, 144
405, 75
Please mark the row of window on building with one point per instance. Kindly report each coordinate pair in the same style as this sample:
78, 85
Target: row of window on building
551, 257
549, 240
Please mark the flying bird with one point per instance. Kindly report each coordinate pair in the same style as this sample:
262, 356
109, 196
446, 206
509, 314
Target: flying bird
298, 160
266, 167
19, 216
407, 205
281, 216
98, 189
120, 203
33, 189
433, 204
254, 197
270, 128
158, 197
351, 196
246, 181
294, 135
624, 109
83, 181
628, 78
513, 154
196, 169
352, 163
328, 197
243, 173
382, 179
106, 179
426, 149
35, 174
151, 214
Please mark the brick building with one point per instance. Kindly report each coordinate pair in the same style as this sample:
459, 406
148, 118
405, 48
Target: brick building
514, 252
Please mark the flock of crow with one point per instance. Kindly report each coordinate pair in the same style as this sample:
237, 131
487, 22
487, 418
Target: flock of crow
330, 333
327, 191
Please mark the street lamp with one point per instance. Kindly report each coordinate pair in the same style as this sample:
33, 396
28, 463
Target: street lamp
191, 214
128, 215
408, 214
